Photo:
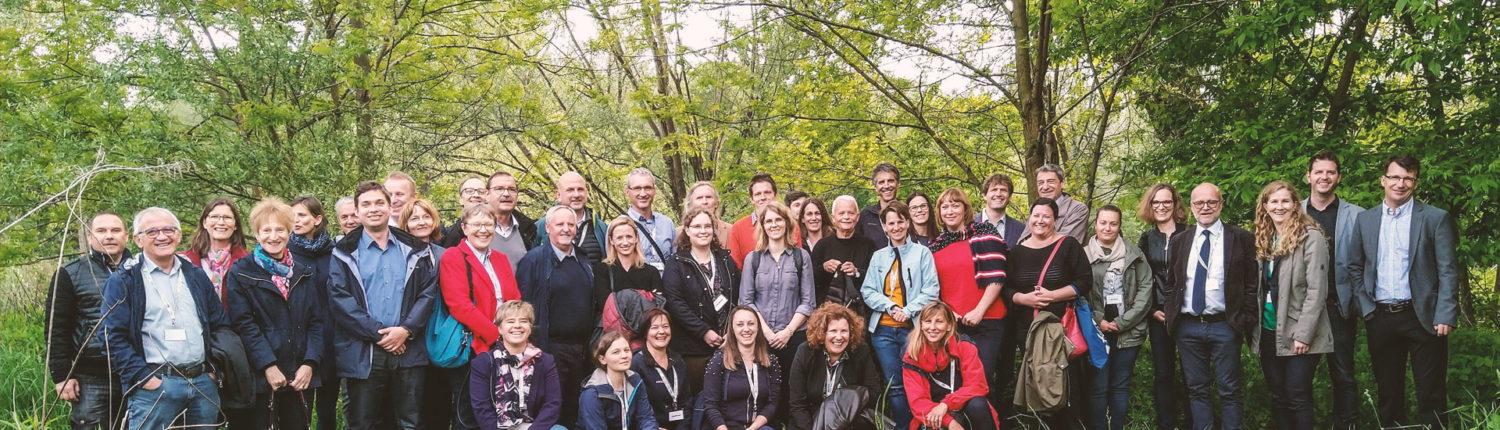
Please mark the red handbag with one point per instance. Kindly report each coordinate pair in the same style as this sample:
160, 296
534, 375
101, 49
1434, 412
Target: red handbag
1069, 318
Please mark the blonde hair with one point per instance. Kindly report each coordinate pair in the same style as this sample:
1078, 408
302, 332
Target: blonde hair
637, 260
731, 349
763, 239
916, 342
1293, 234
511, 307
270, 209
423, 204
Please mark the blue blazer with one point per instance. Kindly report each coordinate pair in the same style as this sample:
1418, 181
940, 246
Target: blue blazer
124, 312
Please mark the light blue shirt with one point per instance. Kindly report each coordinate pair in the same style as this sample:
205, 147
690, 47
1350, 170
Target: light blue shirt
1213, 289
171, 332
1391, 285
383, 271
658, 229
484, 260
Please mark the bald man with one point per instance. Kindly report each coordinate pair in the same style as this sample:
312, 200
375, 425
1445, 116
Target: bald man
573, 193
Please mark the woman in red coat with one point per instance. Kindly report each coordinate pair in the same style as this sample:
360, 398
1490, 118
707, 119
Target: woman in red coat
944, 381
475, 280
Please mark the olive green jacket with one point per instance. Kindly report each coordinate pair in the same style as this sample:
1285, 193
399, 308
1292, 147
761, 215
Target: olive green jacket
1138, 295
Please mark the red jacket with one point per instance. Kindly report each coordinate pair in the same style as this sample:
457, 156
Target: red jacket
478, 315
920, 392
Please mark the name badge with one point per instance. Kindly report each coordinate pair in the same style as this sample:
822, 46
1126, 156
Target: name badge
660, 267
176, 334
1114, 299
675, 416
720, 301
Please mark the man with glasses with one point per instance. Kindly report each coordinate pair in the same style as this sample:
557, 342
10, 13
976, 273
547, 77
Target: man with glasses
160, 316
1336, 216
1072, 215
1403, 268
1211, 307
76, 354
514, 231
471, 192
655, 228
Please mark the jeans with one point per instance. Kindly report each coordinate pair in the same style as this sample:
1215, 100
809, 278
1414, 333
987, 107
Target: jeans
1341, 370
327, 401
99, 402
1165, 386
389, 391
1210, 355
1395, 338
1109, 388
890, 345
1289, 379
196, 400
284, 410
989, 337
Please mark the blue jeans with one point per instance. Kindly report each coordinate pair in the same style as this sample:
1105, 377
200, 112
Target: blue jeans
1290, 380
890, 344
196, 399
1109, 388
1210, 355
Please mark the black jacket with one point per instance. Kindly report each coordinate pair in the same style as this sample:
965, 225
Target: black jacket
318, 255
235, 375
72, 325
662, 402
276, 331
1241, 279
810, 372
690, 300
1154, 244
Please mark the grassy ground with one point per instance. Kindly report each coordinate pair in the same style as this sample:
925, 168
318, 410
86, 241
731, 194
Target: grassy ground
27, 400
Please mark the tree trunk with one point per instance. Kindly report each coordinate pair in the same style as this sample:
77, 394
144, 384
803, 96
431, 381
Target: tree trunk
1032, 89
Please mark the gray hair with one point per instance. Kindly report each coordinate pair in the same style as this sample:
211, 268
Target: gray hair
135, 225
844, 198
1055, 169
641, 171
557, 208
342, 201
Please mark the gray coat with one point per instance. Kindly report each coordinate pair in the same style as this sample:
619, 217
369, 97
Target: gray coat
1302, 285
1138, 294
1434, 264
1343, 240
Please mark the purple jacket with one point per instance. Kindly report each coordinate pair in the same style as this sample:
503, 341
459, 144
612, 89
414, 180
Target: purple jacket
543, 402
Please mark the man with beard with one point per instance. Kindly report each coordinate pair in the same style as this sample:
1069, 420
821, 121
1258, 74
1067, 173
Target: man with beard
1336, 216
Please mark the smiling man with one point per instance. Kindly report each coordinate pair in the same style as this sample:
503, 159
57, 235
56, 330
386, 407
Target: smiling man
1403, 268
1072, 216
556, 280
657, 229
161, 314
887, 181
382, 285
573, 193
997, 190
742, 234
1336, 216
514, 231
402, 189
76, 355
472, 191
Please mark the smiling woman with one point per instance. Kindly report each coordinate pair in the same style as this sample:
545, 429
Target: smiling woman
219, 241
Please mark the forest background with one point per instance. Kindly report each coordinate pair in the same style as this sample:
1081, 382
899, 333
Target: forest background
123, 104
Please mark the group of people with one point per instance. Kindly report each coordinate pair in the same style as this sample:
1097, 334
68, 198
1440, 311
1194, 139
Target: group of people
907, 312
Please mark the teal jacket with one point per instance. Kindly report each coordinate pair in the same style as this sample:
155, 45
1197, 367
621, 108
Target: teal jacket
599, 230
918, 277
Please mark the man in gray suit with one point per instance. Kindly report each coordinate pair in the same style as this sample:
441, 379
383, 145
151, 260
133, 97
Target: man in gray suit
1405, 275
1337, 216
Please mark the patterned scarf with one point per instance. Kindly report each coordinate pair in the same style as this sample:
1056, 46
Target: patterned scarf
951, 237
217, 263
312, 246
280, 270
512, 373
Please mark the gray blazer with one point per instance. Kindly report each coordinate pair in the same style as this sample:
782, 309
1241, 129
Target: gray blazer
1301, 280
1342, 242
1434, 264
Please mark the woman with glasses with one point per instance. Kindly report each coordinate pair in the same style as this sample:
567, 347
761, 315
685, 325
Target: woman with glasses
924, 226
701, 283
218, 242
475, 280
1162, 209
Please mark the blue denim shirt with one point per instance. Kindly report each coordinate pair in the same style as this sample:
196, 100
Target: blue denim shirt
774, 290
659, 229
1391, 284
170, 307
384, 273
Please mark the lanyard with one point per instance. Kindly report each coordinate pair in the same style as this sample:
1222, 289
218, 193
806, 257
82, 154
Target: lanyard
671, 386
754, 386
832, 377
171, 305
952, 370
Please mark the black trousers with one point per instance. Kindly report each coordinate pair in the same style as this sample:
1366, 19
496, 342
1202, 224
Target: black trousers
389, 391
445, 400
1397, 339
327, 402
573, 365
284, 410
1341, 369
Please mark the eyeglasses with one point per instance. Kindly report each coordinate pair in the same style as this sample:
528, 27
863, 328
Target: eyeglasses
921, 206
474, 191
1408, 180
481, 227
511, 190
1163, 203
164, 231
642, 188
701, 227
1203, 204
219, 218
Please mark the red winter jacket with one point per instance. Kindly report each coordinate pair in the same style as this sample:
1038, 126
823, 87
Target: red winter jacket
478, 315
970, 382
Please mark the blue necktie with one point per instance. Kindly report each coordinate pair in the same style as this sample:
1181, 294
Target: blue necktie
1200, 277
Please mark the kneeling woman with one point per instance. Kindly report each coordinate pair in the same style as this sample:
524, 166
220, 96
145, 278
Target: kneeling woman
740, 390
945, 382
614, 398
834, 376
664, 372
515, 384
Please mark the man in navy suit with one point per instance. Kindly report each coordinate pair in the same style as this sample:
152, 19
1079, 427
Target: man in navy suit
1404, 272
997, 189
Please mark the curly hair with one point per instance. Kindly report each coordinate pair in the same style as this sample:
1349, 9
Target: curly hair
1293, 234
817, 324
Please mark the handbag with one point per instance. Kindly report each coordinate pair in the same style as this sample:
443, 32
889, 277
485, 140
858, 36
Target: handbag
449, 342
1069, 317
1098, 347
